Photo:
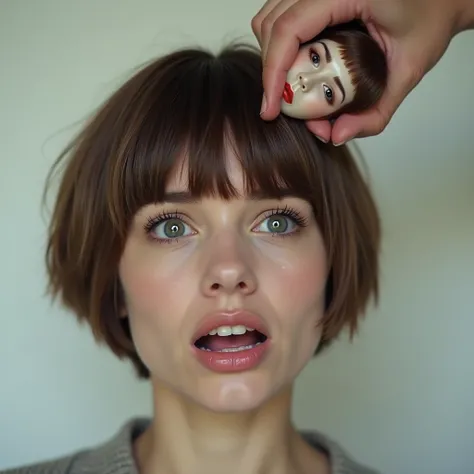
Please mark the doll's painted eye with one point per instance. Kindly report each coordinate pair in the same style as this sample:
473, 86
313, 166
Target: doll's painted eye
314, 56
328, 93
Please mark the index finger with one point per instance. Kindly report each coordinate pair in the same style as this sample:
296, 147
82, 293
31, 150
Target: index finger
300, 23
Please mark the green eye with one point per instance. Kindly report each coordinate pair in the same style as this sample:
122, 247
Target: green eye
174, 228
167, 228
277, 224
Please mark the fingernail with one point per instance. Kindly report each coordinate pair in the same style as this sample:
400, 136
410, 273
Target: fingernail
343, 142
321, 139
264, 105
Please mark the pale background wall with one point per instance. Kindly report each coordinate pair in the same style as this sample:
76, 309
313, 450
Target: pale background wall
401, 398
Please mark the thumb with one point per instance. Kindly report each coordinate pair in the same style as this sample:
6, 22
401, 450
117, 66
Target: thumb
320, 128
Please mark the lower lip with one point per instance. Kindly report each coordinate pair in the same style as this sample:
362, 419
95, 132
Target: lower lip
226, 362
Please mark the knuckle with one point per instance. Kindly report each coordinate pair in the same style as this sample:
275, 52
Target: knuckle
410, 72
255, 24
408, 77
375, 126
282, 25
412, 79
380, 123
267, 25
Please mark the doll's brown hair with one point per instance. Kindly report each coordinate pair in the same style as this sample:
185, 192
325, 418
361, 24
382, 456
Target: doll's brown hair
365, 61
123, 158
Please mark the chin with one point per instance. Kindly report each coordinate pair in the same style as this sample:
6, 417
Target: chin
295, 110
286, 108
235, 393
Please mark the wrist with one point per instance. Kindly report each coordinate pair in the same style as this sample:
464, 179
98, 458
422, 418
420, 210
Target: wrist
465, 16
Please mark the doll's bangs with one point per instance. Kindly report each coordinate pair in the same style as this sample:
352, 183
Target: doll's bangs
187, 110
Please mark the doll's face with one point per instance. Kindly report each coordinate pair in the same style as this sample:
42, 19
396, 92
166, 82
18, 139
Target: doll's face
318, 83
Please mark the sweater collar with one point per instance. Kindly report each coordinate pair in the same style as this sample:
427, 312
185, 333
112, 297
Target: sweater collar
116, 455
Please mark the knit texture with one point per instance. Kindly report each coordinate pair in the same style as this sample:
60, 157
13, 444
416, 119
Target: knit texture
116, 456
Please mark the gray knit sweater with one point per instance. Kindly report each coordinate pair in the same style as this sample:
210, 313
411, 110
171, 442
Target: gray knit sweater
116, 456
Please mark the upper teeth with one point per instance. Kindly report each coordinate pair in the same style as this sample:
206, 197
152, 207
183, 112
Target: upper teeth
229, 330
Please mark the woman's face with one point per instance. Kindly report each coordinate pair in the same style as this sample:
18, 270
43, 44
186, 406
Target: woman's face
191, 266
318, 83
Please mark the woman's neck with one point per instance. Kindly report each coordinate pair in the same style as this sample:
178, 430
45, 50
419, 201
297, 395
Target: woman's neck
184, 438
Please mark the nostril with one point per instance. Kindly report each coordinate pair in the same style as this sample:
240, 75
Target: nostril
241, 285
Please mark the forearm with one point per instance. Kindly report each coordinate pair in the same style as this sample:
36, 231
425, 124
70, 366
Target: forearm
465, 16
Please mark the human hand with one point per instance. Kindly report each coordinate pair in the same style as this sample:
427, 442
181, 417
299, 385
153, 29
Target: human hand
414, 34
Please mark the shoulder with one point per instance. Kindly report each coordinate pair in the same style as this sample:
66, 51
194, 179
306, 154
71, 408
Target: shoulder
341, 462
114, 456
57, 466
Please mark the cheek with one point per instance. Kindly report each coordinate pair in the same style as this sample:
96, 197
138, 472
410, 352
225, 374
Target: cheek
144, 286
314, 103
156, 309
154, 286
300, 302
151, 281
304, 285
299, 281
301, 64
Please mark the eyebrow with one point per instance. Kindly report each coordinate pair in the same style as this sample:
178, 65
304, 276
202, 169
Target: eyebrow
326, 50
185, 197
338, 82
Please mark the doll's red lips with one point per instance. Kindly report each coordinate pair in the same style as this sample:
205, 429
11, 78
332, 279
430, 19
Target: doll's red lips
288, 93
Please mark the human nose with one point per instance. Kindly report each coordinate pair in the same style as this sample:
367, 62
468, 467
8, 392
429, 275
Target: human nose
228, 269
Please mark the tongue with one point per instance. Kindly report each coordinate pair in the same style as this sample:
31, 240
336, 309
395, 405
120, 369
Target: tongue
217, 343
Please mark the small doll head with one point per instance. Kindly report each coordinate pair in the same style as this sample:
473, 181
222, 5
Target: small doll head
342, 70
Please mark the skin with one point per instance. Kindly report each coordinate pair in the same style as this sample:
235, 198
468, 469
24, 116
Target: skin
414, 34
320, 81
224, 257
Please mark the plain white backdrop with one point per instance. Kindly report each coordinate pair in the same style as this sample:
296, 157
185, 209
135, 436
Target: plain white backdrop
400, 398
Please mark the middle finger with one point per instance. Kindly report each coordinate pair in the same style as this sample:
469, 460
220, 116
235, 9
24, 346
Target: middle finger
257, 20
269, 21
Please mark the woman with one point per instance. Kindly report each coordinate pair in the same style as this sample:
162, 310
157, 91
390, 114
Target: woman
218, 253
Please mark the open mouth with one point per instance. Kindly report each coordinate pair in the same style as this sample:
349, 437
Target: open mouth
231, 339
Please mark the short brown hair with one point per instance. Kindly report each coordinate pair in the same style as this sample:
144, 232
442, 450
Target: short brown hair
188, 102
365, 61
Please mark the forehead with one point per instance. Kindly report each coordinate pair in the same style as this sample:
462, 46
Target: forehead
232, 164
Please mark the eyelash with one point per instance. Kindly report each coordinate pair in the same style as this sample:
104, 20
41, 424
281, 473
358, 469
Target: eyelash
154, 221
293, 214
287, 211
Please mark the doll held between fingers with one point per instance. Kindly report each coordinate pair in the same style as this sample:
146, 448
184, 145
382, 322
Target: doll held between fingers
413, 34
